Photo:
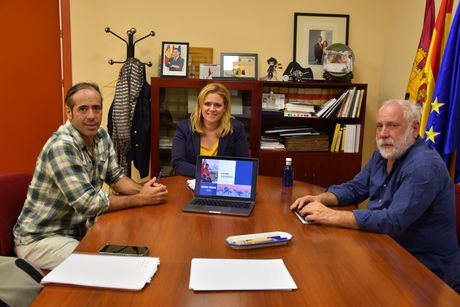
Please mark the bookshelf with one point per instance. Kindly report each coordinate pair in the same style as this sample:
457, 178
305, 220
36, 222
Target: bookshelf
316, 163
172, 99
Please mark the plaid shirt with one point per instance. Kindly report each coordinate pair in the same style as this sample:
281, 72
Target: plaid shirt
65, 195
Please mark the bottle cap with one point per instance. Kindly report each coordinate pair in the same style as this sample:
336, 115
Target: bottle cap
288, 161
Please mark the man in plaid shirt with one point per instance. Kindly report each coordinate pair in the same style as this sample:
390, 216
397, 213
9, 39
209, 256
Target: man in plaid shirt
65, 195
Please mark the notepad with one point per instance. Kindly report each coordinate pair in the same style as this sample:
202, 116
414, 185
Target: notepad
105, 271
208, 274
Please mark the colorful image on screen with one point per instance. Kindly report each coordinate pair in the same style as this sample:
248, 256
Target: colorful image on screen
226, 178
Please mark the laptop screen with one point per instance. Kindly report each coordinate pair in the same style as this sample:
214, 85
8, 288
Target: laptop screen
226, 177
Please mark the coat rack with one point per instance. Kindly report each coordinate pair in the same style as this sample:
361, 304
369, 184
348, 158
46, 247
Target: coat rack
129, 44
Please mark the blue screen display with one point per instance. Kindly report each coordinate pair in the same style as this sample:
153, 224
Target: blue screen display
228, 178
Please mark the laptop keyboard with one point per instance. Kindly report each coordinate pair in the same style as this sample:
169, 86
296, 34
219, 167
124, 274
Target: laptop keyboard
221, 203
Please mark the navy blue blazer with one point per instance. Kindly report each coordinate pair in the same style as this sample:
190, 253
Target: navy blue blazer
186, 146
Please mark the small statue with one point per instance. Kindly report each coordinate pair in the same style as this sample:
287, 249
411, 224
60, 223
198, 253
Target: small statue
271, 71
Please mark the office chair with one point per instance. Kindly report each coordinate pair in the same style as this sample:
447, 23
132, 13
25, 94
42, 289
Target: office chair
13, 192
457, 209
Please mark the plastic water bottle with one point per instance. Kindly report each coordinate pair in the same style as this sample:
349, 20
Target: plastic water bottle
288, 173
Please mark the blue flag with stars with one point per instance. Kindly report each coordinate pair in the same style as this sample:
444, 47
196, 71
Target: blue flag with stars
443, 126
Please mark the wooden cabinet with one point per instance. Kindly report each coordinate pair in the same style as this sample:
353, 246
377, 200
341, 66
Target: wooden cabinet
173, 99
318, 167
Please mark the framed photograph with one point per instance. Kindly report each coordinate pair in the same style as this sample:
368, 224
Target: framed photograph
174, 59
313, 33
238, 65
209, 71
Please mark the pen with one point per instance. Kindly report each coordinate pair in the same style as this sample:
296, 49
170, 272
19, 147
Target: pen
262, 240
159, 177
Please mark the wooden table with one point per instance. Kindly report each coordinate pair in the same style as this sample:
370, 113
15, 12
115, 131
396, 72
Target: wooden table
331, 266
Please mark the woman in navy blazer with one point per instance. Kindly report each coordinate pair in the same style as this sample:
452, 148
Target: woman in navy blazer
210, 130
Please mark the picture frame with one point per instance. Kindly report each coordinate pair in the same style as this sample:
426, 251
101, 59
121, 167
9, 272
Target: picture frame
238, 65
309, 28
174, 59
199, 56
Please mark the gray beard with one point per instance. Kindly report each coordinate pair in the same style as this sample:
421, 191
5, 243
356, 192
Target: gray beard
399, 147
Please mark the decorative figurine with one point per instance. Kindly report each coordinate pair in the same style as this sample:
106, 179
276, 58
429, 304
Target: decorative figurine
272, 66
295, 72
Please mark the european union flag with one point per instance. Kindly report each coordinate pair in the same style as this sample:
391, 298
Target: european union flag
443, 126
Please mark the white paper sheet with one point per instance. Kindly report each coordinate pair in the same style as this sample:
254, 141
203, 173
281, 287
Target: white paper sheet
106, 271
239, 274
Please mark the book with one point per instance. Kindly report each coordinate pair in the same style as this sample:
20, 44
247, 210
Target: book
357, 137
360, 101
334, 138
354, 105
288, 129
335, 105
342, 141
297, 107
299, 133
346, 105
319, 142
297, 114
349, 145
325, 107
339, 140
332, 109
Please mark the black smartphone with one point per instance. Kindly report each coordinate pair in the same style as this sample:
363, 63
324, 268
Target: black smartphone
124, 250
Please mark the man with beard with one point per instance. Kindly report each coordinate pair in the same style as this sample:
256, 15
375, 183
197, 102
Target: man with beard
410, 194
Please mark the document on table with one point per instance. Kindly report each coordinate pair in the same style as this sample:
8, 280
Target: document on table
208, 274
191, 184
105, 271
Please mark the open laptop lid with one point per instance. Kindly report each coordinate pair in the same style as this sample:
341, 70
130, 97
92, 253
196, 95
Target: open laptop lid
226, 178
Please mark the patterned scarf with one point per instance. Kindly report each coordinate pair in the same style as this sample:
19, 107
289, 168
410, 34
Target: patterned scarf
127, 91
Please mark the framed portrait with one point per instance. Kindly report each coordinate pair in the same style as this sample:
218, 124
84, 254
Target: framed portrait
174, 59
238, 65
313, 33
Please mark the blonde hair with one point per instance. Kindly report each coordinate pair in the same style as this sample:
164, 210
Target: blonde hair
196, 118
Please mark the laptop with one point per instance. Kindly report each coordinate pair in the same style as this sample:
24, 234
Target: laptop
224, 185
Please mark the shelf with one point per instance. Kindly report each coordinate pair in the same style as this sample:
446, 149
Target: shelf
318, 167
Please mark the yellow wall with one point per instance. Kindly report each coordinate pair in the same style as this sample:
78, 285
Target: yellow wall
383, 35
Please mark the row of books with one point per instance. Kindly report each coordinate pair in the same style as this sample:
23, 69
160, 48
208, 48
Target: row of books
346, 138
312, 96
347, 105
351, 106
295, 139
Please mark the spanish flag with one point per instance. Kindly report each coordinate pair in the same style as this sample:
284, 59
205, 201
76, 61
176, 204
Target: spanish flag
422, 52
167, 54
430, 72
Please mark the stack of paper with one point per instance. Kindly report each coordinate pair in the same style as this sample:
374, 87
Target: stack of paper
105, 271
239, 274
